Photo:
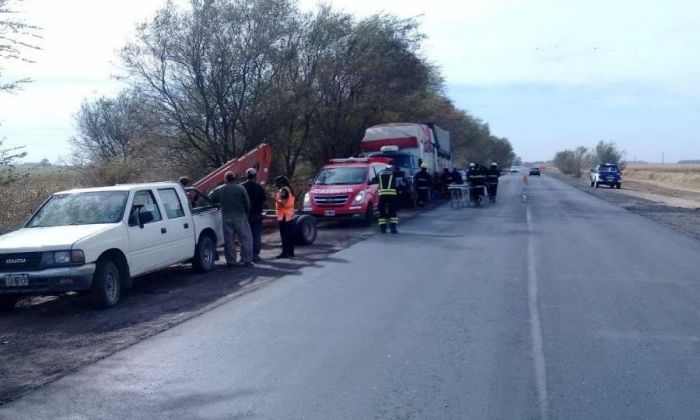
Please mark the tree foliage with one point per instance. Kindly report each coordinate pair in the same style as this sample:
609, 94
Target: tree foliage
8, 158
219, 77
573, 162
16, 36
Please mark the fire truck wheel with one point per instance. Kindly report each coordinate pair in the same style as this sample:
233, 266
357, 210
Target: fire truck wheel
305, 229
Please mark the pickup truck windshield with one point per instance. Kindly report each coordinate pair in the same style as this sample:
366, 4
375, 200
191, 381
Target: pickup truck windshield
341, 176
80, 209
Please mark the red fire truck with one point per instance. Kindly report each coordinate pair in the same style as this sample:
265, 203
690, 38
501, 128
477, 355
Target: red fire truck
346, 189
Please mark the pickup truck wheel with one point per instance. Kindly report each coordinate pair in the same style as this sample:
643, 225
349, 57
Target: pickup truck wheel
106, 284
305, 228
204, 255
369, 216
618, 185
7, 303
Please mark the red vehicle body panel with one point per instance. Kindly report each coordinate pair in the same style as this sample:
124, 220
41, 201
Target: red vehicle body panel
337, 201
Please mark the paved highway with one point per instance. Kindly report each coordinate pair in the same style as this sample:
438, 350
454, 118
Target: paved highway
563, 306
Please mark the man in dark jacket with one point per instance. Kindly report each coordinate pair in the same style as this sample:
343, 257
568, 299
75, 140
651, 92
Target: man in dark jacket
476, 178
492, 181
388, 200
235, 208
423, 182
456, 177
258, 198
445, 181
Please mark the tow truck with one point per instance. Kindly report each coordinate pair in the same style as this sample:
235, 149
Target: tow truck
259, 158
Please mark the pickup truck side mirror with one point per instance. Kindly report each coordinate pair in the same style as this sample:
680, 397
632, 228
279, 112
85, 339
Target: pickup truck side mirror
138, 217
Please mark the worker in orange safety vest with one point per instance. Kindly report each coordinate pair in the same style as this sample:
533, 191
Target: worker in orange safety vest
284, 204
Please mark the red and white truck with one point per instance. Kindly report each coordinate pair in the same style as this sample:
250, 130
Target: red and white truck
345, 189
428, 143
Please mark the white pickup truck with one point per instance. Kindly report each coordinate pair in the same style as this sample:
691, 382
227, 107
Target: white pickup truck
97, 239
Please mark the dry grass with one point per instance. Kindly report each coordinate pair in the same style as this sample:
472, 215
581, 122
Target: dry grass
23, 197
683, 176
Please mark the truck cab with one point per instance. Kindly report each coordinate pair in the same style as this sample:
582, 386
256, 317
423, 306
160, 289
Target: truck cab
96, 240
346, 189
606, 174
408, 165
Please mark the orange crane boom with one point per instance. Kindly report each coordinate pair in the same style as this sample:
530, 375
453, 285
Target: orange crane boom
259, 158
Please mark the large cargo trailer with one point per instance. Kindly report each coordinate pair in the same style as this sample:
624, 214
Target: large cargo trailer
427, 142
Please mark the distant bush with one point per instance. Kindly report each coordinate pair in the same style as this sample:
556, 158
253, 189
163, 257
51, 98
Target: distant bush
27, 195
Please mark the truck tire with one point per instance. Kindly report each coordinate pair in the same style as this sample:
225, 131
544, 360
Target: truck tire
106, 284
618, 185
7, 303
204, 254
305, 229
368, 220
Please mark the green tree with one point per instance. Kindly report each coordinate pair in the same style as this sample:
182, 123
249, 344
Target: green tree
16, 36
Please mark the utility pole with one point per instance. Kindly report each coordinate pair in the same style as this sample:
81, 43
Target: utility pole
662, 158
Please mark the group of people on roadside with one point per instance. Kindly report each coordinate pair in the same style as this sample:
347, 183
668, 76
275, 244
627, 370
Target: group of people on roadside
437, 185
480, 178
242, 207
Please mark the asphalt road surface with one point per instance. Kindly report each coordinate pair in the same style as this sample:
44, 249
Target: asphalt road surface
562, 306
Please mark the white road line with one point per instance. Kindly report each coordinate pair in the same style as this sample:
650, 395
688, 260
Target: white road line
536, 324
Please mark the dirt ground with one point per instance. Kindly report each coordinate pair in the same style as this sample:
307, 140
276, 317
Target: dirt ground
675, 207
47, 337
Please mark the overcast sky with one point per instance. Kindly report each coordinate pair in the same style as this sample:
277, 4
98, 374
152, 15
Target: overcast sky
547, 74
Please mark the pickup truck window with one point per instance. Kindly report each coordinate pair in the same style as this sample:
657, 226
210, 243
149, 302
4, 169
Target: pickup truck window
145, 198
80, 209
171, 201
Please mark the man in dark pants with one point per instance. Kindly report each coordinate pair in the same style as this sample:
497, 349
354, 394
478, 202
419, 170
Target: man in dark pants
284, 204
235, 208
423, 182
492, 181
475, 185
256, 194
388, 200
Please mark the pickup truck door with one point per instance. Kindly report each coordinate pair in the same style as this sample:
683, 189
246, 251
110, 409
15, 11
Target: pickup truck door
147, 245
180, 232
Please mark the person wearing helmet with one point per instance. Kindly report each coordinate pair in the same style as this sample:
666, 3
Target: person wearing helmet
423, 182
284, 204
492, 181
474, 187
258, 198
388, 199
235, 208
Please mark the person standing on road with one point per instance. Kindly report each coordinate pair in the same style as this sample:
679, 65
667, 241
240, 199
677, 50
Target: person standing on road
456, 177
423, 182
257, 196
284, 204
388, 200
235, 208
472, 179
492, 181
445, 181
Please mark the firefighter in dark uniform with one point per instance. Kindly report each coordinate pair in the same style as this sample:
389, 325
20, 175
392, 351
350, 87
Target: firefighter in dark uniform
424, 182
492, 181
473, 180
388, 200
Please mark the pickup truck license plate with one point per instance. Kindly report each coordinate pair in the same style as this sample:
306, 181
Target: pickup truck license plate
16, 280
330, 213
